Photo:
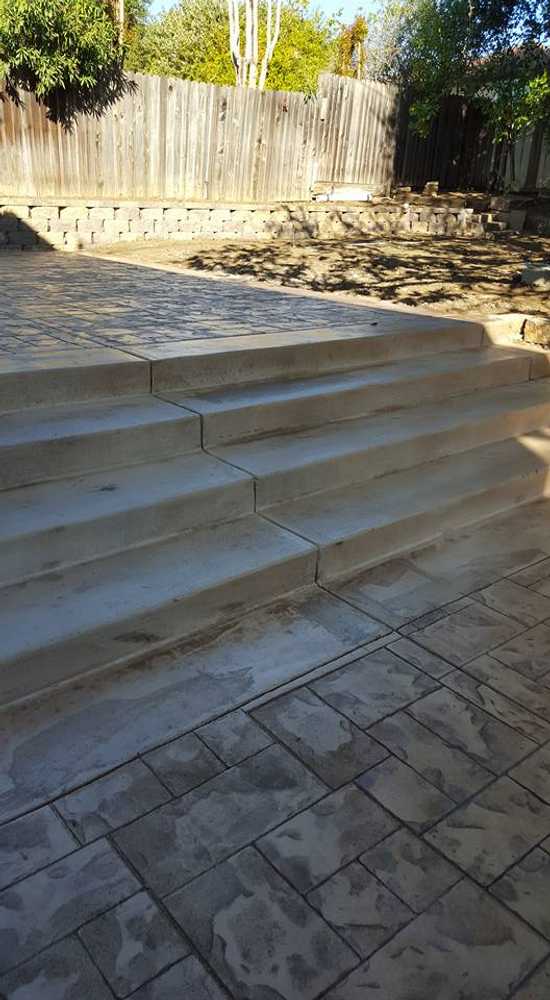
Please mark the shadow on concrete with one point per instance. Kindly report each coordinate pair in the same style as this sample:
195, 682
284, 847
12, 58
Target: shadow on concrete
17, 234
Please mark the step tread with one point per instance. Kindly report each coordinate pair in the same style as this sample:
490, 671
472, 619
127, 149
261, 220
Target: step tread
57, 504
329, 517
61, 606
39, 424
235, 397
282, 452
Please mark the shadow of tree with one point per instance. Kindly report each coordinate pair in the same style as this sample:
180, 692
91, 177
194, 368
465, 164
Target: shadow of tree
64, 106
413, 270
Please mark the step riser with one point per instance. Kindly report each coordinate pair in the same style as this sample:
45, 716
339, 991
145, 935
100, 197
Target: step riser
57, 548
314, 358
132, 638
362, 466
72, 376
313, 411
376, 545
24, 464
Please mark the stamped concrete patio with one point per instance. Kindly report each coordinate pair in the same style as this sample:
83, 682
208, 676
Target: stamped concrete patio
375, 825
342, 794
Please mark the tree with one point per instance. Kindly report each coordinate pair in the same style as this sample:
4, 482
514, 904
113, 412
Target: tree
490, 54
351, 54
246, 62
67, 53
192, 41
52, 45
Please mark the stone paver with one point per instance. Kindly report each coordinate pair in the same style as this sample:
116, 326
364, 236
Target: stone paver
112, 801
132, 943
187, 979
446, 767
261, 938
373, 686
411, 869
58, 301
405, 793
528, 653
524, 691
511, 599
467, 633
54, 902
465, 947
361, 909
62, 972
525, 888
420, 657
183, 764
534, 773
490, 742
187, 836
270, 841
325, 740
324, 838
234, 737
499, 706
537, 986
395, 592
32, 842
490, 833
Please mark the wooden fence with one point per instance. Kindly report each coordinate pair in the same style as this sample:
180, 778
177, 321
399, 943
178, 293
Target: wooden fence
174, 139
460, 155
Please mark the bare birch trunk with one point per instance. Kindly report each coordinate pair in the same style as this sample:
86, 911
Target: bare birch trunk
248, 64
272, 37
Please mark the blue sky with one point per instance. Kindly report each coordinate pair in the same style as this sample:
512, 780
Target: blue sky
348, 7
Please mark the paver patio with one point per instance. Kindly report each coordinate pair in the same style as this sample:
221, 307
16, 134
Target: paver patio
375, 825
50, 302
341, 794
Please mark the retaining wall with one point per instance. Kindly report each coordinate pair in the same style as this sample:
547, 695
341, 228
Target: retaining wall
71, 225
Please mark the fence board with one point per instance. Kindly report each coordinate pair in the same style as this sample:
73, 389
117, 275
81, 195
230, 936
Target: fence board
173, 139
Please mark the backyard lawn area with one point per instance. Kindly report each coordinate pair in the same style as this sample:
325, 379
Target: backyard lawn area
443, 274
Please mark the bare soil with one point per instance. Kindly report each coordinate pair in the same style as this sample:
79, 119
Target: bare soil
442, 274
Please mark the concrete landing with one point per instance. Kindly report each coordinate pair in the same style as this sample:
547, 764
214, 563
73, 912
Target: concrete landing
319, 801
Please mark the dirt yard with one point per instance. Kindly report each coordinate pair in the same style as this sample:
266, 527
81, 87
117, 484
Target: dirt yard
439, 273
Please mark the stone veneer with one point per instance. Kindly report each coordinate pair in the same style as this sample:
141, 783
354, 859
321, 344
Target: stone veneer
67, 224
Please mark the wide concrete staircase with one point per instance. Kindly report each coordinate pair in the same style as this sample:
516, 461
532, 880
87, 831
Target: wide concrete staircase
131, 520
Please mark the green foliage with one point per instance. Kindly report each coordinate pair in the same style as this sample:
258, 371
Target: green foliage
351, 55
490, 53
48, 46
191, 40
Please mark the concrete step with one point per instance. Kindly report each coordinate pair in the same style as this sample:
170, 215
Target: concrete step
48, 443
112, 610
70, 375
250, 410
290, 465
55, 524
386, 336
362, 525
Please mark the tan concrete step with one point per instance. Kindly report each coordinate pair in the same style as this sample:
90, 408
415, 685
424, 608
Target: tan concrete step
69, 375
384, 336
114, 609
38, 444
290, 465
250, 410
364, 524
55, 524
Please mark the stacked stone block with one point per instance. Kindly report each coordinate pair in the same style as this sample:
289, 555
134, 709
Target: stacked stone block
79, 225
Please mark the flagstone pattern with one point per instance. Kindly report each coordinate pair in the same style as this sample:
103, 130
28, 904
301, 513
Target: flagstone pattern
369, 820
